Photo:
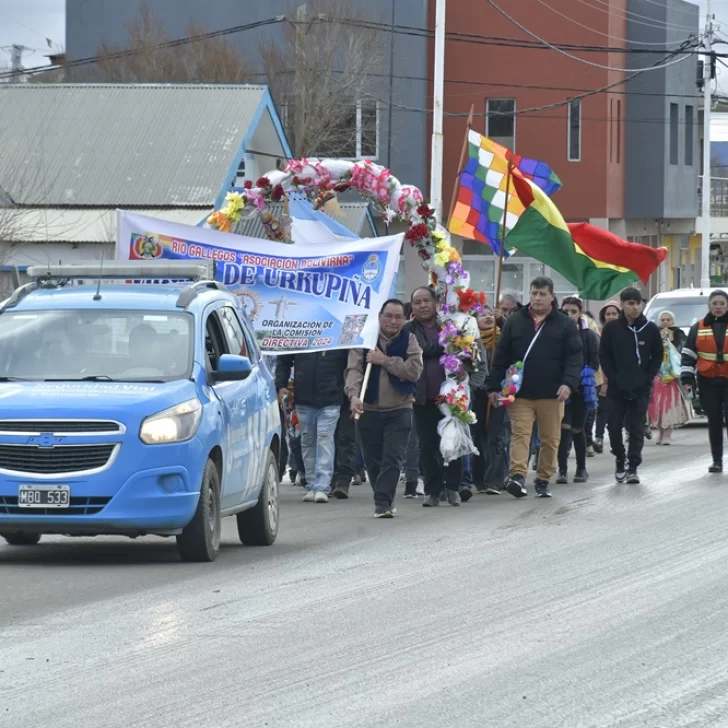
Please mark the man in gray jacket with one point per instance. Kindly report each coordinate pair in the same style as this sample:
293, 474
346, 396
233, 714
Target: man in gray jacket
385, 408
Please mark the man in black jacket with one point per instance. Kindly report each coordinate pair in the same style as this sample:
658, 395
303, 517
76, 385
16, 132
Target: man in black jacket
547, 342
630, 352
318, 379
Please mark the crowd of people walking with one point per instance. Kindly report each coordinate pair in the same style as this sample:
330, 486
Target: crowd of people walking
578, 377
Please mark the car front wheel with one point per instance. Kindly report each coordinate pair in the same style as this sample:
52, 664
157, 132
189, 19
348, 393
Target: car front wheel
200, 539
259, 526
22, 539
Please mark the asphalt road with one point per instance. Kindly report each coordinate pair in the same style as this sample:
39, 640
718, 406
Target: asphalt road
604, 606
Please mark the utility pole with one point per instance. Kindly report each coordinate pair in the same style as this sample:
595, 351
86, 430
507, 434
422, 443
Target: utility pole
437, 111
16, 61
707, 101
299, 120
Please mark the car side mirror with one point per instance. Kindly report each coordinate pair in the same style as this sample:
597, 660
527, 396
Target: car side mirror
231, 368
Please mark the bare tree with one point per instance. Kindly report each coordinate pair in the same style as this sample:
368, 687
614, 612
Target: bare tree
211, 60
321, 75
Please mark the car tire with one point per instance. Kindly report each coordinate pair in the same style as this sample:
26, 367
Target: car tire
200, 539
22, 539
259, 526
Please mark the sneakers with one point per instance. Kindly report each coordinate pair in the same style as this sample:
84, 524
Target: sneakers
581, 476
542, 488
420, 490
384, 512
320, 497
716, 467
356, 480
310, 497
599, 446
410, 490
590, 451
453, 497
562, 478
431, 501
516, 486
492, 491
465, 495
632, 477
620, 474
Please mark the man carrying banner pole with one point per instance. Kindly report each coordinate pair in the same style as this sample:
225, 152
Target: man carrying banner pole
384, 406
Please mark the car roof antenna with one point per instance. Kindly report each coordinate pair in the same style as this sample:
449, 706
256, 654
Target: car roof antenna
97, 296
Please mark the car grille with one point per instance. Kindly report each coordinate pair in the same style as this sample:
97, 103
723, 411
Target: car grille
58, 426
79, 507
54, 460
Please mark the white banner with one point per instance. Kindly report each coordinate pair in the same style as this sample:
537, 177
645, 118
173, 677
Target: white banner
296, 299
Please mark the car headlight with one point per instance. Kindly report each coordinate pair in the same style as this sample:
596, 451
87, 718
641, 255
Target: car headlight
176, 424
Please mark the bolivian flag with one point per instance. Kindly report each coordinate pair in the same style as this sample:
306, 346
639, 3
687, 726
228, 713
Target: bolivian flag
597, 262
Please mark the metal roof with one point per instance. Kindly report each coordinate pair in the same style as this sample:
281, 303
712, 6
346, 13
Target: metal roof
82, 225
354, 219
121, 145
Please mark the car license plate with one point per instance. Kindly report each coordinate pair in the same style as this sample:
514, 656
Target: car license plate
44, 496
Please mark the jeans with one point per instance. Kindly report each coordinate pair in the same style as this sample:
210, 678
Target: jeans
629, 413
547, 413
714, 401
572, 430
437, 476
318, 427
492, 437
467, 481
345, 450
412, 462
384, 437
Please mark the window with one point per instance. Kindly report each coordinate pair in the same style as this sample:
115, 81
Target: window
673, 133
233, 331
689, 138
574, 131
500, 121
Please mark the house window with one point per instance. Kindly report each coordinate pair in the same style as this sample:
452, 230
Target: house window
574, 131
689, 138
674, 133
500, 121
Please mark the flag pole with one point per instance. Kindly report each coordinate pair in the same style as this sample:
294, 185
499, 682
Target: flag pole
364, 385
500, 268
463, 154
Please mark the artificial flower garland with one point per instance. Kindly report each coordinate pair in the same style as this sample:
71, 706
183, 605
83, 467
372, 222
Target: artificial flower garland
320, 180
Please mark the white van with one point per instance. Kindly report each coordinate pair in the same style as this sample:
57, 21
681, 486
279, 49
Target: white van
687, 304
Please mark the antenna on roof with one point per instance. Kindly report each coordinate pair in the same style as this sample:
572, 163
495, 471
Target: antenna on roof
97, 297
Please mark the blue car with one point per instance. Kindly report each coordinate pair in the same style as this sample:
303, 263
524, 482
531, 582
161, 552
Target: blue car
138, 406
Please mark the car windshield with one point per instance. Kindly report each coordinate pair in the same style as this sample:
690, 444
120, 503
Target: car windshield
687, 310
126, 346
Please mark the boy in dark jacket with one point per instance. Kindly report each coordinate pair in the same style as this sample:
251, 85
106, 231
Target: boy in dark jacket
630, 353
319, 383
548, 344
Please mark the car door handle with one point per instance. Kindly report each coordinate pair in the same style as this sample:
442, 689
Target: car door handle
243, 406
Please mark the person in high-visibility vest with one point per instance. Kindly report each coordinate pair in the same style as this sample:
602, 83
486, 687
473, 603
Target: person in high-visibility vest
705, 356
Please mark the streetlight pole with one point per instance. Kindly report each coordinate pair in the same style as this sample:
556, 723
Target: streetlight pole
437, 111
707, 73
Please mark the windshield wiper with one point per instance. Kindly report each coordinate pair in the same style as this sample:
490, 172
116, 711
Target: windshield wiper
13, 379
91, 378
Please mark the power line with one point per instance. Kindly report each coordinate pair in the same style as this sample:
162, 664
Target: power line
599, 32
553, 47
629, 15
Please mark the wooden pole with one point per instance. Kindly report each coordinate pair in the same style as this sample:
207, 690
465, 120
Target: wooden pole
364, 385
463, 154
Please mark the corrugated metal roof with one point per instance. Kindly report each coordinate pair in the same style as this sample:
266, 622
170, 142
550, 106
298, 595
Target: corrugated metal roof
355, 216
125, 145
73, 225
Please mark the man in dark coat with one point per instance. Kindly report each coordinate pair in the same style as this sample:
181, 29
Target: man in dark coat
630, 352
548, 343
318, 378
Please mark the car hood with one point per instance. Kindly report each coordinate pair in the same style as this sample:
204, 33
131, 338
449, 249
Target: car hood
90, 400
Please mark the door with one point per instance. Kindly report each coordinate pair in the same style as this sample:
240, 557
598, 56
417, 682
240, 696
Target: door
254, 438
235, 399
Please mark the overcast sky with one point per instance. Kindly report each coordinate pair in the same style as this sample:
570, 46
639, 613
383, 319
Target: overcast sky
30, 22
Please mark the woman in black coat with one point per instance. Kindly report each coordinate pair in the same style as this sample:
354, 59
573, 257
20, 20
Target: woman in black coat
577, 408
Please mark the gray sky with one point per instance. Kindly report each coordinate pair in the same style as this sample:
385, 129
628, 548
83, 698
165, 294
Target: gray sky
30, 22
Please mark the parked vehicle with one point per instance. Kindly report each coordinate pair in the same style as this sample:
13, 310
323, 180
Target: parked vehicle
688, 305
135, 408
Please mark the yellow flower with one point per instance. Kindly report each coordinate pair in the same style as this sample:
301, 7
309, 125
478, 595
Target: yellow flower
464, 342
441, 259
234, 201
454, 256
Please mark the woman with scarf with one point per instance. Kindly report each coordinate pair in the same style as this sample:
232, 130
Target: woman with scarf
583, 399
492, 433
705, 356
668, 408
